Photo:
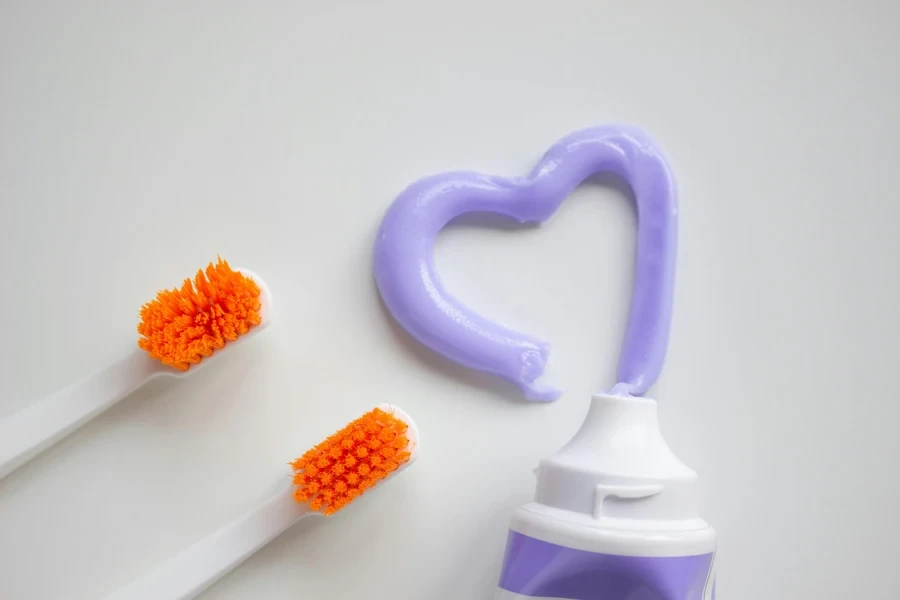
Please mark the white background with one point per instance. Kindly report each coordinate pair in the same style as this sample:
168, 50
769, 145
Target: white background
139, 140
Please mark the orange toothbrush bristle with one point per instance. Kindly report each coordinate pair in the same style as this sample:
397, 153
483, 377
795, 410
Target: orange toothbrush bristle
340, 469
182, 326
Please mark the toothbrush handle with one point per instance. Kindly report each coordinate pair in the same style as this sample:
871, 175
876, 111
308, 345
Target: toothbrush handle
34, 429
193, 570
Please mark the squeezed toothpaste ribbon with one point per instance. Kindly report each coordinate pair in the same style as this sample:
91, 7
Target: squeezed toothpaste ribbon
416, 298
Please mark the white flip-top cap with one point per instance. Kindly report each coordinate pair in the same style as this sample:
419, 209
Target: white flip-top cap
619, 471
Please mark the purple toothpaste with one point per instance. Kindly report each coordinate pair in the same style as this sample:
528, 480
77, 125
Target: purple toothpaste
614, 515
413, 292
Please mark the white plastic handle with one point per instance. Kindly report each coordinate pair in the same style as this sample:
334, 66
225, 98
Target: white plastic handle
37, 427
193, 570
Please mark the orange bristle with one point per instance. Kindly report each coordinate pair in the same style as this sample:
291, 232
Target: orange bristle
181, 327
349, 472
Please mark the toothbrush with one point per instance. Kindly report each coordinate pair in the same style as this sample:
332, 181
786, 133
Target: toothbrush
178, 329
328, 477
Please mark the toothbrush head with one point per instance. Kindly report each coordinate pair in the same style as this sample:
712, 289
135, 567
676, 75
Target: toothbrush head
353, 460
181, 327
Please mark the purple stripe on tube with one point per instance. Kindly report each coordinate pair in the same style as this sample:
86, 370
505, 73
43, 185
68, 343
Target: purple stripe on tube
535, 568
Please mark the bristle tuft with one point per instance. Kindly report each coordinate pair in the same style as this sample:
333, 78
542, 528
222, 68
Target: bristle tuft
355, 458
182, 326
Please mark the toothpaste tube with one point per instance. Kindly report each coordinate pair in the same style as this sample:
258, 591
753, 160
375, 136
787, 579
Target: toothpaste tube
614, 517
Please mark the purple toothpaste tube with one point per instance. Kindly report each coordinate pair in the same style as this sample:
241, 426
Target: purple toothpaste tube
614, 515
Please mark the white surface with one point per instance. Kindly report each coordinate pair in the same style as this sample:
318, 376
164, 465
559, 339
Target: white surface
137, 141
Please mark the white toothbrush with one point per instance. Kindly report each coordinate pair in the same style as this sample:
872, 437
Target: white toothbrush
193, 570
29, 432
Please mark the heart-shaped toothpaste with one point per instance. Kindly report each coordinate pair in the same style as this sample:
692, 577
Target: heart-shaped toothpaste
415, 296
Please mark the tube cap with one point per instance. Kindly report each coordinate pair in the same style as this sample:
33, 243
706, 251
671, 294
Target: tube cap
619, 469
